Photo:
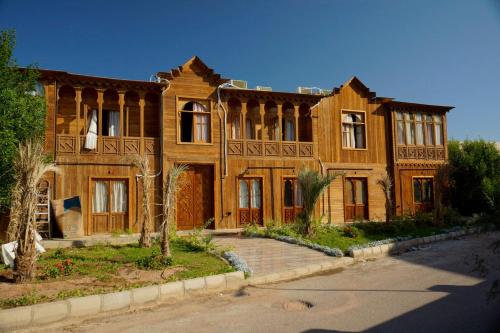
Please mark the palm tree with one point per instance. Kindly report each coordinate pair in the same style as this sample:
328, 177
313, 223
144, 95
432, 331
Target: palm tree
171, 186
145, 179
30, 165
386, 185
312, 184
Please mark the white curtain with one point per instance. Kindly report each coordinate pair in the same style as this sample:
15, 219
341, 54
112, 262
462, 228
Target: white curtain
91, 137
348, 131
235, 126
119, 203
243, 194
114, 123
256, 200
289, 130
100, 201
439, 130
202, 130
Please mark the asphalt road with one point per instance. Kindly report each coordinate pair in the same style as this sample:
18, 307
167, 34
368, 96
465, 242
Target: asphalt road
429, 290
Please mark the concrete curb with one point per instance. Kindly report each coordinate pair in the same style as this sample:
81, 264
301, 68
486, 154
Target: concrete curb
301, 271
46, 313
398, 247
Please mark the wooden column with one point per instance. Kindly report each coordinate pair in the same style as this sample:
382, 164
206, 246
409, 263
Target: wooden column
121, 102
296, 117
78, 103
100, 102
280, 119
243, 121
262, 112
141, 120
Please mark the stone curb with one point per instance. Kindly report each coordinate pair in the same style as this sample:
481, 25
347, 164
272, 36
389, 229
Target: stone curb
301, 271
397, 247
46, 313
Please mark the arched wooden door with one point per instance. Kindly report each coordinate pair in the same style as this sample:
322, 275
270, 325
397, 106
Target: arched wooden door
195, 198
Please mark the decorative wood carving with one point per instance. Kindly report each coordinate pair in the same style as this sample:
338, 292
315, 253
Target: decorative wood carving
421, 153
431, 154
289, 149
131, 145
305, 149
66, 144
110, 145
254, 148
412, 152
235, 147
440, 154
271, 148
151, 146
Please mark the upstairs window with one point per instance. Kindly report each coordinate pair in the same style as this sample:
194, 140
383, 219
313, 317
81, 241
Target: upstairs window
194, 123
419, 129
400, 128
429, 130
353, 130
438, 125
410, 129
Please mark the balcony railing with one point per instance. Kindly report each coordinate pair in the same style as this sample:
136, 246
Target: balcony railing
108, 145
420, 153
270, 148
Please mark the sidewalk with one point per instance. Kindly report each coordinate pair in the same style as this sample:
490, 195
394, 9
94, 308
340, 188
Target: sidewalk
266, 256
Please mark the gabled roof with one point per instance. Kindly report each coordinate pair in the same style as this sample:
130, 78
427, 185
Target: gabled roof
199, 66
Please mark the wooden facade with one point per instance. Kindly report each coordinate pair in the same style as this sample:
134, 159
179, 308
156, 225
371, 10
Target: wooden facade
244, 148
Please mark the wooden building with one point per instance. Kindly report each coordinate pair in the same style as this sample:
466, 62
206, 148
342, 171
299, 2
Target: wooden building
244, 148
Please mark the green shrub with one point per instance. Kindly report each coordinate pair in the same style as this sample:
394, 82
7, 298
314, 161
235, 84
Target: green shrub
350, 231
154, 261
424, 219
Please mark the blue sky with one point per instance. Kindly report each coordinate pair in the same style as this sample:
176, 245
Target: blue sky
438, 52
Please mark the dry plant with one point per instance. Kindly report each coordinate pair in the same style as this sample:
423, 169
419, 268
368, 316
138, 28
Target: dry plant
386, 185
171, 186
442, 185
145, 179
30, 165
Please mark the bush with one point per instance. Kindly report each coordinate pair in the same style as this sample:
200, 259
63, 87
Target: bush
351, 231
155, 261
424, 219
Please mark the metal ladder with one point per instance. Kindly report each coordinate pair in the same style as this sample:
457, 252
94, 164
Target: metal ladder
42, 212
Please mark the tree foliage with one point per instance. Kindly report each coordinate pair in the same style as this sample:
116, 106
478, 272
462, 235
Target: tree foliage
22, 112
475, 176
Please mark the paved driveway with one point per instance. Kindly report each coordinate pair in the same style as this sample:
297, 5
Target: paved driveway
431, 290
266, 256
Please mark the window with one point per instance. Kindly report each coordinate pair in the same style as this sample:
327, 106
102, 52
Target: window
423, 194
429, 132
353, 130
410, 129
293, 201
288, 124
194, 123
400, 128
355, 199
110, 123
419, 129
438, 125
233, 119
249, 200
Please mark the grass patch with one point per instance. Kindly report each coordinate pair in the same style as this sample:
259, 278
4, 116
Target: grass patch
73, 272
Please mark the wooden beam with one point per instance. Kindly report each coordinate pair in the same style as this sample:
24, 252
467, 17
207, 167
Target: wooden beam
141, 119
296, 117
100, 101
78, 103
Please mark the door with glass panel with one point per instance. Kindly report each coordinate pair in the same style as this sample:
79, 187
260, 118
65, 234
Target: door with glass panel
355, 199
292, 200
109, 205
250, 201
423, 194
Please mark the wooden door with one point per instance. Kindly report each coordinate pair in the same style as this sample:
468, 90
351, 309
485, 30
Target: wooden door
292, 202
355, 199
423, 195
250, 201
195, 199
109, 205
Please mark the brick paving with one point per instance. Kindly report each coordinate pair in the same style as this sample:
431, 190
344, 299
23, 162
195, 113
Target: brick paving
266, 256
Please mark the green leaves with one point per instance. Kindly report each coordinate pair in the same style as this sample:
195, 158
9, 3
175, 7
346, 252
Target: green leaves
22, 114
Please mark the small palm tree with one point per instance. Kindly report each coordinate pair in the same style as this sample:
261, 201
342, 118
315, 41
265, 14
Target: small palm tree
171, 186
30, 165
386, 185
145, 179
312, 184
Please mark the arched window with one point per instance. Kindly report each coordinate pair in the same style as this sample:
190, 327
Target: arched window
305, 123
353, 130
194, 123
288, 123
253, 126
233, 119
271, 121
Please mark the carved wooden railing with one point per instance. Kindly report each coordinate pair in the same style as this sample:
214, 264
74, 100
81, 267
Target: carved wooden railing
269, 148
107, 145
420, 153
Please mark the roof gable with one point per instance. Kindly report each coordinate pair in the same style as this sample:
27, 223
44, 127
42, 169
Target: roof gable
194, 65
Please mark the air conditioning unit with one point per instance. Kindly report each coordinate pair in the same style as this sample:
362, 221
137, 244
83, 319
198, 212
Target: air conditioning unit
304, 90
263, 88
325, 92
239, 83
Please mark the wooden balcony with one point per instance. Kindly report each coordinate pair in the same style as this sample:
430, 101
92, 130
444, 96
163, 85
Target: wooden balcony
108, 145
270, 148
420, 153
